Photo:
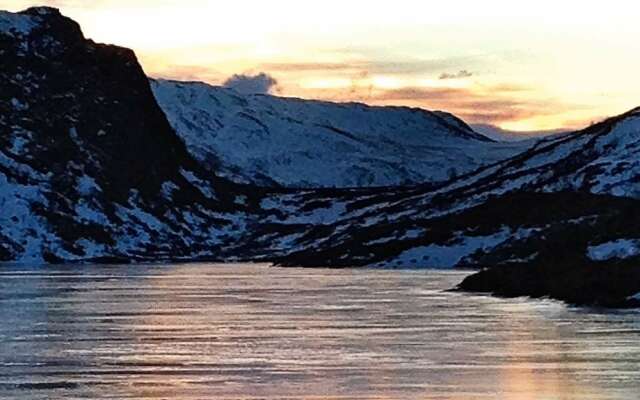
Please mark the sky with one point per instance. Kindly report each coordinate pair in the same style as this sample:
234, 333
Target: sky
518, 65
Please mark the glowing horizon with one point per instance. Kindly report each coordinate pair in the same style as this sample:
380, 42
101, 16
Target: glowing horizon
529, 67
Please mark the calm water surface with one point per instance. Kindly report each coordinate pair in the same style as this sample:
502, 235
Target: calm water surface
254, 332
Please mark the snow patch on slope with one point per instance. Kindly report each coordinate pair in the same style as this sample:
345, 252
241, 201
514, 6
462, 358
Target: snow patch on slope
634, 297
16, 24
619, 249
18, 222
445, 256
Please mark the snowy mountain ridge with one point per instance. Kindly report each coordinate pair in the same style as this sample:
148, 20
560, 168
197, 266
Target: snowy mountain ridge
268, 140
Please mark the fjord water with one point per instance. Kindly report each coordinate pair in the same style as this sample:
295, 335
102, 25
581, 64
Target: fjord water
253, 332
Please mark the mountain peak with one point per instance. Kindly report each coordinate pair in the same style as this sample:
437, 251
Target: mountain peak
16, 24
41, 26
42, 11
635, 111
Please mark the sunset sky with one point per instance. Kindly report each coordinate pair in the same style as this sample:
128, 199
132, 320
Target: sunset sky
527, 66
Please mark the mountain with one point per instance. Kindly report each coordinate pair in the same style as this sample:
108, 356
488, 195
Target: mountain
275, 141
89, 166
560, 219
503, 135
91, 170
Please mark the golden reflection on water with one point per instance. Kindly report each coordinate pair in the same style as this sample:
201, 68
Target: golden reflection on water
253, 332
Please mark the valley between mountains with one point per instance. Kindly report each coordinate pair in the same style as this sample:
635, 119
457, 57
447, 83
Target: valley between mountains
98, 163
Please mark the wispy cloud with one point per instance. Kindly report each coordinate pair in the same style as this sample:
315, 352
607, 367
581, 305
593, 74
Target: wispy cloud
490, 107
313, 67
398, 67
459, 75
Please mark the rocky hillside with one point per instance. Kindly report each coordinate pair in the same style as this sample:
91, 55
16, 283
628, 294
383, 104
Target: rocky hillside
274, 141
89, 166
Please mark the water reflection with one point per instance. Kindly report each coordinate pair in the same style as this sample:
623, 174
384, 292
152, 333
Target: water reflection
252, 332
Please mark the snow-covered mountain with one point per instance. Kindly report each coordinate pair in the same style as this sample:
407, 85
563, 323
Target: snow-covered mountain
89, 166
547, 222
563, 175
92, 170
269, 140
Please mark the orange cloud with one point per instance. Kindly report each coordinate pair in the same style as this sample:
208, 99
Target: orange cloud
397, 67
471, 105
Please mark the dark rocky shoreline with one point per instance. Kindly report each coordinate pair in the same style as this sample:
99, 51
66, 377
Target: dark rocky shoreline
608, 286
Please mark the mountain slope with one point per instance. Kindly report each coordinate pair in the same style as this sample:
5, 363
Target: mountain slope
548, 222
288, 142
560, 176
